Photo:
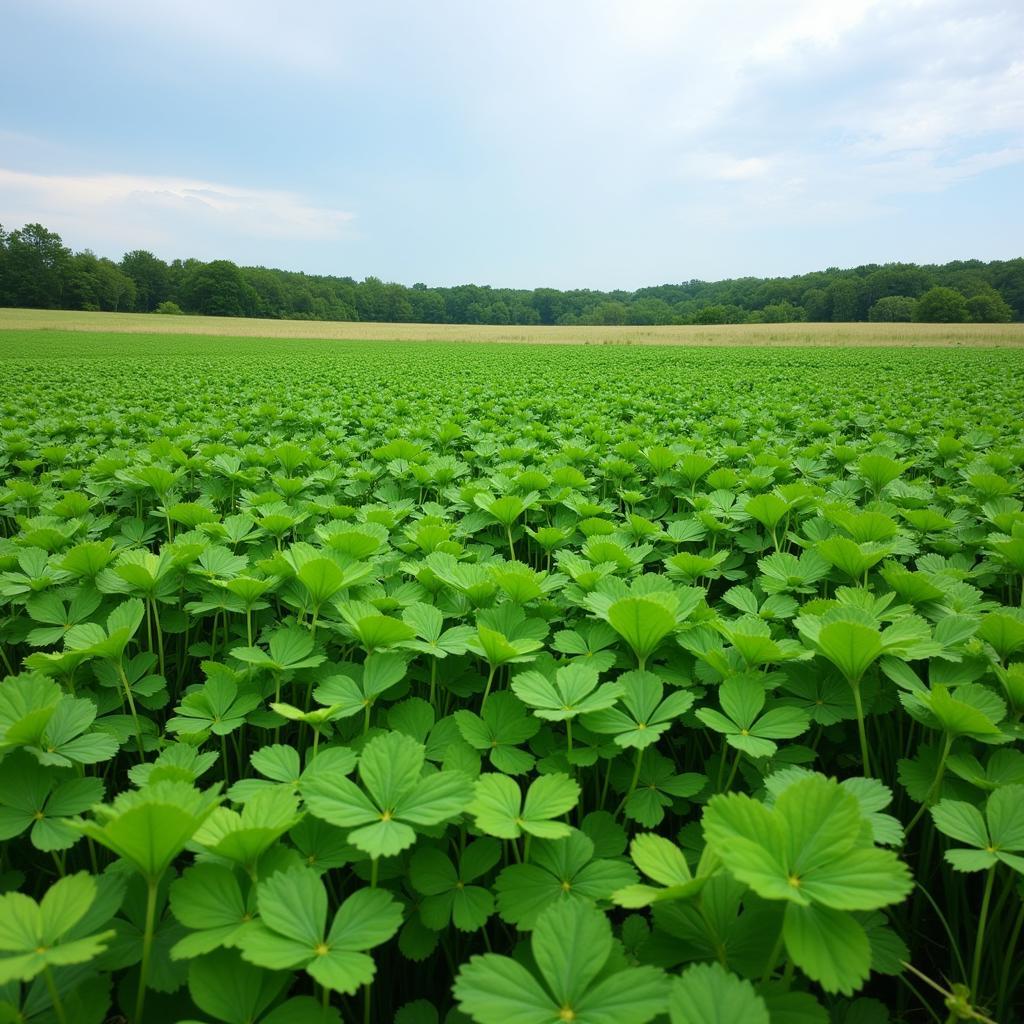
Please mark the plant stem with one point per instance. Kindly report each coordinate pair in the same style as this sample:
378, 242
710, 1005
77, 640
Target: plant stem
979, 942
933, 788
773, 958
732, 773
58, 1006
487, 688
1010, 959
131, 707
147, 947
864, 757
160, 635
633, 783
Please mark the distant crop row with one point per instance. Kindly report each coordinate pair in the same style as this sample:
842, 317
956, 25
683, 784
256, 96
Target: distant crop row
425, 683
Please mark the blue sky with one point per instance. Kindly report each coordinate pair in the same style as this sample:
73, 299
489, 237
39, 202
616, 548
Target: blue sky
578, 143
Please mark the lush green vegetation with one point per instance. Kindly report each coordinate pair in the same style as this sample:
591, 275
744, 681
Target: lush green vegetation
509, 684
38, 271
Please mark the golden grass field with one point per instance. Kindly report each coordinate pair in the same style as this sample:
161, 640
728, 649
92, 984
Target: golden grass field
780, 335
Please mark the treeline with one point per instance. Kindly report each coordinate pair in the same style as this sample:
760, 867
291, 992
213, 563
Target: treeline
38, 270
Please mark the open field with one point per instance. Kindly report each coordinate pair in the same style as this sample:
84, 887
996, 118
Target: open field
782, 335
341, 677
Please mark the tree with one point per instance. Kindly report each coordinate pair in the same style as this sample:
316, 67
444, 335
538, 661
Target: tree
941, 306
815, 301
36, 263
151, 277
3, 268
783, 313
896, 279
893, 309
607, 313
846, 299
217, 289
95, 284
989, 307
649, 311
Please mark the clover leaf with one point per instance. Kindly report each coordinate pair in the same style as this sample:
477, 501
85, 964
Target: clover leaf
292, 931
570, 983
397, 795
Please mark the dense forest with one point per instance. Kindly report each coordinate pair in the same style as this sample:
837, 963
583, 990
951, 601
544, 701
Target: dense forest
38, 270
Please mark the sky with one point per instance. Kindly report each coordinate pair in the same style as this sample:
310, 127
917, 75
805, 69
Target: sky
562, 143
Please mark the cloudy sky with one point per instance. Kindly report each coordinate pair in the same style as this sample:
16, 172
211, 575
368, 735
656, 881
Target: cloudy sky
600, 143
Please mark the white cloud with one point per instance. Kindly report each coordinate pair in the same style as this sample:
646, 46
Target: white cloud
139, 211
477, 135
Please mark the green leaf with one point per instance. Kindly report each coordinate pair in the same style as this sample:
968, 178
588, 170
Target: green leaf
573, 692
809, 848
227, 988
960, 820
36, 936
366, 919
494, 989
149, 827
829, 946
642, 622
294, 904
709, 994
208, 899
659, 859
500, 811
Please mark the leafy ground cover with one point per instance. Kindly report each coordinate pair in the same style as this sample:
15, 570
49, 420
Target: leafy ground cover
424, 683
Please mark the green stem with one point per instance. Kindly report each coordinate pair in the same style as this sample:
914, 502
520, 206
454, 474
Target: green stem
58, 1006
861, 732
374, 867
433, 681
773, 958
277, 700
568, 736
633, 783
979, 942
131, 707
1010, 959
933, 789
607, 780
160, 635
147, 948
511, 547
732, 773
487, 688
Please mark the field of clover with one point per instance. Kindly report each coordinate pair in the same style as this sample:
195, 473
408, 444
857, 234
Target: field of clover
511, 685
